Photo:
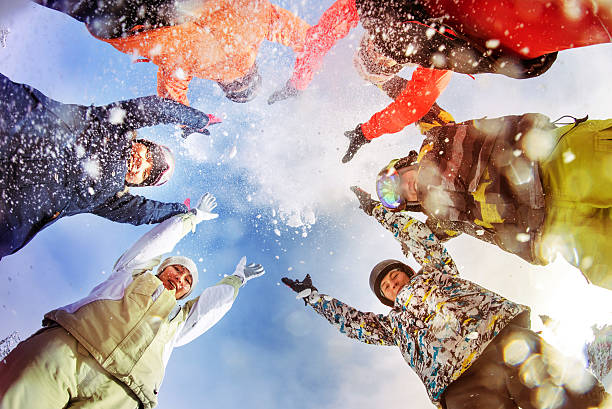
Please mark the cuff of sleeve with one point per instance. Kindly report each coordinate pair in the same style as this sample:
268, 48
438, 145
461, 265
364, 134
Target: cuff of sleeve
368, 132
233, 280
189, 221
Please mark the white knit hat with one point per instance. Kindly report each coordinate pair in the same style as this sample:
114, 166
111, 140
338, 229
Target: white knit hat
185, 262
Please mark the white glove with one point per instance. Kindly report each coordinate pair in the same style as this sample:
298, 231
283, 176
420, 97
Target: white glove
205, 206
247, 272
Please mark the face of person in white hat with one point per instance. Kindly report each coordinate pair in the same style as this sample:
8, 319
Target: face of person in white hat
393, 282
176, 277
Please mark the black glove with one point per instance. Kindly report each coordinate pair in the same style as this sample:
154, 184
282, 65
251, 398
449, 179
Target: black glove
357, 140
366, 203
299, 286
288, 91
187, 130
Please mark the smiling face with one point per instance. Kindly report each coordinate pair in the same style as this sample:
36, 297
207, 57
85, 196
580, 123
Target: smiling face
176, 277
394, 281
139, 164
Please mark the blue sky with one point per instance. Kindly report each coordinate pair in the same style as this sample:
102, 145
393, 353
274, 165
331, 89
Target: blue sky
284, 202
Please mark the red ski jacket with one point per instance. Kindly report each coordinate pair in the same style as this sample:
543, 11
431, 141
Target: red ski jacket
523, 27
417, 98
530, 28
414, 101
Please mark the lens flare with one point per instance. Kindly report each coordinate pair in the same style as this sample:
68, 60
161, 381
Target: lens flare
516, 352
533, 372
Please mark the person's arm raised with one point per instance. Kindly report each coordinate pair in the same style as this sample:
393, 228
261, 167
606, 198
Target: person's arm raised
206, 310
416, 238
162, 238
366, 327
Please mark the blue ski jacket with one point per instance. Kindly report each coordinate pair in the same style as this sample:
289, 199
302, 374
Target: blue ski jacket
59, 160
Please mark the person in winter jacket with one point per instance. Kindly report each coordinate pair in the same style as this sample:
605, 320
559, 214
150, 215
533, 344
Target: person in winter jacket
116, 18
221, 44
516, 40
471, 347
59, 160
520, 182
412, 99
110, 349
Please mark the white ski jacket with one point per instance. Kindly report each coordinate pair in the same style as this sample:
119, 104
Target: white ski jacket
130, 323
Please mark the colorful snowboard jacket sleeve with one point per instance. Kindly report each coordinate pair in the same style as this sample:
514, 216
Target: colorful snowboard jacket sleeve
130, 323
220, 45
440, 322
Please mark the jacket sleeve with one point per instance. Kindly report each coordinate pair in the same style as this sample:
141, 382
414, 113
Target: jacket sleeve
147, 251
334, 24
417, 240
417, 98
169, 86
137, 210
366, 327
149, 111
206, 310
287, 29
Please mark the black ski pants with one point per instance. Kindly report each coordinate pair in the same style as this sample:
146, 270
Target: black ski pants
519, 369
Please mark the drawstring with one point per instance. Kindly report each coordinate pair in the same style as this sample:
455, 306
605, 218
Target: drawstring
577, 121
605, 28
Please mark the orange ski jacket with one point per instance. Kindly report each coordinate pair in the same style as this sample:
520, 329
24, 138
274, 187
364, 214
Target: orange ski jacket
220, 45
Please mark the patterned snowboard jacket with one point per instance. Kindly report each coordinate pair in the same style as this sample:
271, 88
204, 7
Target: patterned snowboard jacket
440, 322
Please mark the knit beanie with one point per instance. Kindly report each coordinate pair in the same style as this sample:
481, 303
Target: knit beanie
185, 262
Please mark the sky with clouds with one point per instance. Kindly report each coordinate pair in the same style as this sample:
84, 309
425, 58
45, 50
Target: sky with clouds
284, 202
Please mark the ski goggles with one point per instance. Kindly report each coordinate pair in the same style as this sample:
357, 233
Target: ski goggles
388, 183
388, 187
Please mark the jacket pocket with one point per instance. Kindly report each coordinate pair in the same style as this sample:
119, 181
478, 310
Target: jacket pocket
603, 143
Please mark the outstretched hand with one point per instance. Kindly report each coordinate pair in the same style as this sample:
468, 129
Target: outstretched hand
206, 205
366, 203
304, 288
287, 91
251, 271
188, 130
356, 141
248, 271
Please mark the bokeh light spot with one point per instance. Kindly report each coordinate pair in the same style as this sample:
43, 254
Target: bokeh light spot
516, 352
